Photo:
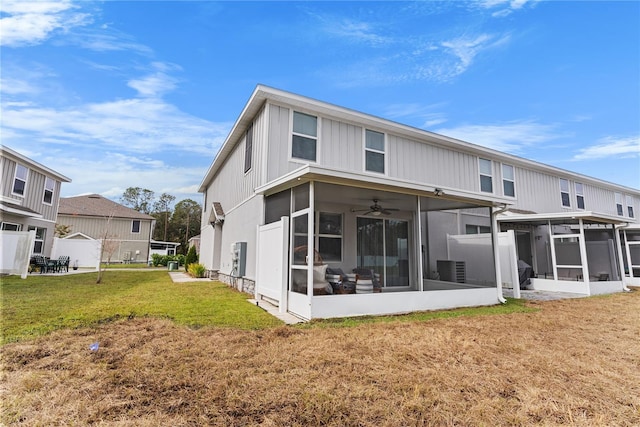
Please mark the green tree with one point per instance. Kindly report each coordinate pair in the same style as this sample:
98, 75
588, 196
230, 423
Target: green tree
192, 258
185, 222
140, 199
162, 212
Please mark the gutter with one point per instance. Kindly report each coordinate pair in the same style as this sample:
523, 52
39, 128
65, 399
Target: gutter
496, 250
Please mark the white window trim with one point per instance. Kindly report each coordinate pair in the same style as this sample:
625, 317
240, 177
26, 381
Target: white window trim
244, 164
480, 175
139, 226
44, 191
33, 227
579, 194
515, 192
562, 191
18, 226
373, 150
317, 137
629, 204
619, 201
15, 176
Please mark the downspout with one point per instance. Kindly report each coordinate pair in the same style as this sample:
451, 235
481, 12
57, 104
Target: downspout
496, 250
616, 237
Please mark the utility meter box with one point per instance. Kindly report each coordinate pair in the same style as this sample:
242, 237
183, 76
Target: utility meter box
238, 259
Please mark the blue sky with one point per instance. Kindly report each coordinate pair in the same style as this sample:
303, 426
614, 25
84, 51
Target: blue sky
124, 94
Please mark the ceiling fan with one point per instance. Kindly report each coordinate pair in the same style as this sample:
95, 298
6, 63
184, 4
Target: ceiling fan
376, 209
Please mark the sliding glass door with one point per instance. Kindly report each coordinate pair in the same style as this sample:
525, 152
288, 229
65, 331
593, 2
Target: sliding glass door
383, 246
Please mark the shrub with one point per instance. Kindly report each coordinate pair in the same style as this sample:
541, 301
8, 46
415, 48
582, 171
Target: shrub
156, 260
196, 270
192, 257
180, 258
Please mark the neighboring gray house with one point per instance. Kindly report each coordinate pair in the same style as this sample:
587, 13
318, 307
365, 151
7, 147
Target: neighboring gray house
128, 230
301, 186
29, 199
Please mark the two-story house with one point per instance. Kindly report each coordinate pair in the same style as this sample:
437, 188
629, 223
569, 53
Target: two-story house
29, 199
301, 187
125, 232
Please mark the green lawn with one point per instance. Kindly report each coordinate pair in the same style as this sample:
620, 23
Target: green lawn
40, 304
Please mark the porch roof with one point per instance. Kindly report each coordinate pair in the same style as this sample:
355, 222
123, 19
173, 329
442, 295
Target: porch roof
542, 218
308, 173
13, 208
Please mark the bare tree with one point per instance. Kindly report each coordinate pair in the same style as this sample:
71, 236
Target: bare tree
108, 247
62, 230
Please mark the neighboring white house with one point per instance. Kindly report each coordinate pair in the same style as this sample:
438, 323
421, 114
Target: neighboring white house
301, 185
28, 203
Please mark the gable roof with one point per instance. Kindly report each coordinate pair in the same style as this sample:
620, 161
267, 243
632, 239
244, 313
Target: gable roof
96, 205
264, 94
14, 155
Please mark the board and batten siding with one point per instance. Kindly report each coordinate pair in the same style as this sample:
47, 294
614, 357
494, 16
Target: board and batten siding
278, 163
119, 228
429, 164
34, 191
342, 145
231, 185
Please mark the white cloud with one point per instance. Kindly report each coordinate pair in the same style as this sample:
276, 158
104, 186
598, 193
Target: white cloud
506, 6
31, 22
465, 49
350, 29
509, 137
156, 83
611, 147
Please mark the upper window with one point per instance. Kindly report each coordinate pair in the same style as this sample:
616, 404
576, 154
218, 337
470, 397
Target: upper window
477, 229
486, 176
508, 181
579, 195
248, 149
330, 236
8, 226
305, 136
374, 151
135, 226
38, 244
20, 180
630, 206
49, 185
564, 193
619, 209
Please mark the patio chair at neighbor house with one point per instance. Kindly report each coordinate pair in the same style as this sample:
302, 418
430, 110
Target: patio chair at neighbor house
41, 263
63, 263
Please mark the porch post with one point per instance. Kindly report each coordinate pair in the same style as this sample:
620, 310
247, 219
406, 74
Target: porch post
496, 253
419, 251
616, 238
628, 250
583, 256
553, 252
310, 240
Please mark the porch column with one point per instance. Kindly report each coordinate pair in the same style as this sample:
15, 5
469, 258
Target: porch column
628, 250
583, 256
616, 238
419, 252
311, 255
496, 254
552, 243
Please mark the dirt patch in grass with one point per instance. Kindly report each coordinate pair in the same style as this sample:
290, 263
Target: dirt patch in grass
573, 362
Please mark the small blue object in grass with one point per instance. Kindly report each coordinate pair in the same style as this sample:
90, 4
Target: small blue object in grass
95, 346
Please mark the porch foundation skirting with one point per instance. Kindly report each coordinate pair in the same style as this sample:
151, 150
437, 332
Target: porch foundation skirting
331, 306
242, 284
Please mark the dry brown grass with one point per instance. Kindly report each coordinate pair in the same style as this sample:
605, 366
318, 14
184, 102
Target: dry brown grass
574, 362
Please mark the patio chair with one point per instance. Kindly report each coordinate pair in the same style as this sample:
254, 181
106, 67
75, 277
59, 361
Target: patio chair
41, 263
63, 262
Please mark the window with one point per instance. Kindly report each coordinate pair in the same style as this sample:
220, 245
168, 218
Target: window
630, 206
135, 226
477, 229
564, 193
305, 136
248, 149
20, 180
8, 226
486, 176
330, 236
49, 185
508, 181
619, 204
374, 151
579, 195
38, 245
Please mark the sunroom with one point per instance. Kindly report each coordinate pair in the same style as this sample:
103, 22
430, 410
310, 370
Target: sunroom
338, 244
574, 252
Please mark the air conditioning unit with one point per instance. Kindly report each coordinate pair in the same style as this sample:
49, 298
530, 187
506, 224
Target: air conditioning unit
452, 271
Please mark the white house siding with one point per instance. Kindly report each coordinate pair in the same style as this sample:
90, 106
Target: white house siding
342, 145
240, 225
278, 146
422, 162
206, 251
